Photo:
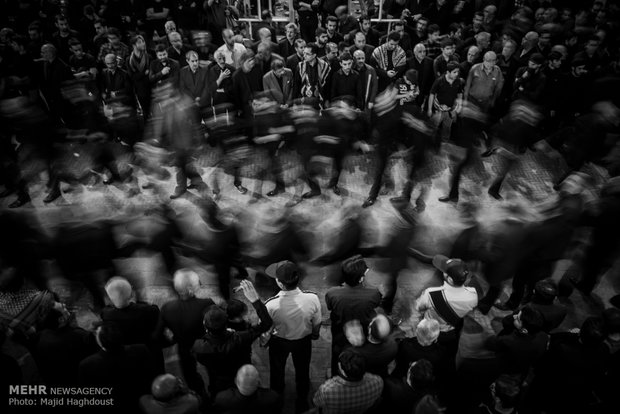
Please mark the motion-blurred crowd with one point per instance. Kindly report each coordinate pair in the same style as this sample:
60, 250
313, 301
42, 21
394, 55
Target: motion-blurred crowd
138, 85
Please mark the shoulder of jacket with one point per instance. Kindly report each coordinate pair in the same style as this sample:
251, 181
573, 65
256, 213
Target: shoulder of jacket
310, 292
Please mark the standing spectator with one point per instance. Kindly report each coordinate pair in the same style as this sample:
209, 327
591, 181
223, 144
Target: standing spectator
52, 74
138, 68
528, 47
127, 369
389, 60
163, 70
247, 395
115, 46
157, 12
368, 78
484, 83
82, 64
449, 303
311, 76
380, 348
444, 102
308, 18
432, 45
216, 18
278, 83
61, 38
193, 80
286, 46
177, 49
447, 55
232, 50
183, 317
114, 83
365, 26
423, 65
530, 80
423, 346
402, 392
332, 35
294, 60
247, 80
346, 82
220, 80
101, 35
296, 318
136, 321
359, 43
219, 349
352, 390
352, 301
470, 60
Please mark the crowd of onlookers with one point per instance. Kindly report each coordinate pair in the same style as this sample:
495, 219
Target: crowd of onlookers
147, 82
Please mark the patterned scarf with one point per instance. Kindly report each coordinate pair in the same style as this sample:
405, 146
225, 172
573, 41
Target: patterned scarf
380, 55
322, 70
23, 310
138, 64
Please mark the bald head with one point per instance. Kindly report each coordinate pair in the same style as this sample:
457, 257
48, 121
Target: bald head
119, 290
247, 380
165, 387
379, 328
489, 60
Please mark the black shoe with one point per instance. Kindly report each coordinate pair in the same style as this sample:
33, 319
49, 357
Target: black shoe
241, 188
20, 201
7, 192
369, 202
448, 199
399, 199
488, 152
178, 192
274, 192
495, 194
53, 195
336, 190
311, 194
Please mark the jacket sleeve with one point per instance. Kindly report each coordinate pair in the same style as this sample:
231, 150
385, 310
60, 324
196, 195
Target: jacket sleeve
265, 323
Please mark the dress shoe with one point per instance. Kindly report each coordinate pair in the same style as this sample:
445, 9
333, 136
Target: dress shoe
506, 306
336, 190
20, 201
369, 202
399, 199
53, 195
241, 189
178, 192
7, 192
311, 194
495, 194
274, 192
448, 199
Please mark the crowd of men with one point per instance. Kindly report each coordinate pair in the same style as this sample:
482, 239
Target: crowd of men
145, 83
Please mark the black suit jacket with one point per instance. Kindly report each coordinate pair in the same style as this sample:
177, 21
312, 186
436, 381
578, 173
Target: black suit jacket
156, 76
194, 85
426, 75
285, 49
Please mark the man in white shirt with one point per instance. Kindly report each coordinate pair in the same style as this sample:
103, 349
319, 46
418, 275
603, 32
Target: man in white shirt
449, 303
296, 318
232, 51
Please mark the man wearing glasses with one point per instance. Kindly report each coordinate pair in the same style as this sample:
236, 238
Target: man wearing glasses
311, 77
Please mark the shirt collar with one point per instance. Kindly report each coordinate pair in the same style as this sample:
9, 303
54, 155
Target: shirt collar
293, 292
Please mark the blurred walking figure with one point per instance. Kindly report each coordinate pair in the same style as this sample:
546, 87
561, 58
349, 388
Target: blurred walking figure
176, 124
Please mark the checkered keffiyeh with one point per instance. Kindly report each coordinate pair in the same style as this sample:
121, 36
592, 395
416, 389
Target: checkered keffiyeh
337, 395
23, 310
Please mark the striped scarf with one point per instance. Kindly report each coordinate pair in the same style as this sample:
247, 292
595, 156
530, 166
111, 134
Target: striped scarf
307, 89
380, 55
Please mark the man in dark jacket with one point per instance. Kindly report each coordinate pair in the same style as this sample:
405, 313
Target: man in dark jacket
219, 349
247, 395
193, 80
